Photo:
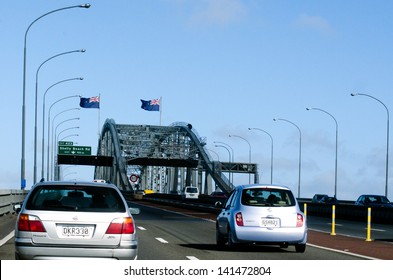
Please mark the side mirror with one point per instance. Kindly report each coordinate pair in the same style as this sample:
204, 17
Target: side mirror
135, 211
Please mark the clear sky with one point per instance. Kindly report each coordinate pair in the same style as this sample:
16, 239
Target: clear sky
221, 65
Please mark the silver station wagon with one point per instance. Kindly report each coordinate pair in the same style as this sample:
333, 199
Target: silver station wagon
261, 214
61, 220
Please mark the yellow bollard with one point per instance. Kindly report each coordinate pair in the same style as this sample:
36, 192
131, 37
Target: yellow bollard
333, 220
369, 224
305, 209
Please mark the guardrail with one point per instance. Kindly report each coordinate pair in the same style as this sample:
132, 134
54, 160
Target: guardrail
343, 210
10, 197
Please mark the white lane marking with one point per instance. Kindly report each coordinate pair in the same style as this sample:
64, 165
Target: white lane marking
141, 228
376, 229
8, 237
162, 240
192, 258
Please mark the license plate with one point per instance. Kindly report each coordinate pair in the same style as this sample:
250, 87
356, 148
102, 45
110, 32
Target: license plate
270, 223
69, 231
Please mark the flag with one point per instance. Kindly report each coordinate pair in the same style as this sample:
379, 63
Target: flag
92, 102
151, 105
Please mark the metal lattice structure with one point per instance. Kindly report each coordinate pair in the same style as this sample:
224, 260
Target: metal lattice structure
134, 147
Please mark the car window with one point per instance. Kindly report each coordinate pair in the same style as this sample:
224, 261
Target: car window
192, 190
267, 197
75, 198
229, 200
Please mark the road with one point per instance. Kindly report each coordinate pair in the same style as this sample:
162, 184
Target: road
178, 234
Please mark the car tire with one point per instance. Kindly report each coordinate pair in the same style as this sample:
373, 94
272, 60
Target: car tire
220, 240
231, 243
300, 248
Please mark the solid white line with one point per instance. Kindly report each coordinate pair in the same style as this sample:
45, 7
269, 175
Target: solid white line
162, 240
141, 228
192, 258
8, 237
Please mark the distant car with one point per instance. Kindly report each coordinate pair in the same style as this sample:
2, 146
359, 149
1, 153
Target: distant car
373, 200
329, 200
190, 192
64, 220
261, 214
99, 181
317, 198
218, 194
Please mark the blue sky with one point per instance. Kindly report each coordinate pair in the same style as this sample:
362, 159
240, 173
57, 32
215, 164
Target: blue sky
221, 65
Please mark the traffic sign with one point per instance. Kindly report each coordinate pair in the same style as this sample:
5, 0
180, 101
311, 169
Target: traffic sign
74, 150
134, 178
65, 143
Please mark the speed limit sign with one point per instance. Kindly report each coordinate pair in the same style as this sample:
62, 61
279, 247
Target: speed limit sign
134, 178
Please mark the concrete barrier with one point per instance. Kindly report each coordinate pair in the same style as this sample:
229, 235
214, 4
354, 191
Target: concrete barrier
10, 197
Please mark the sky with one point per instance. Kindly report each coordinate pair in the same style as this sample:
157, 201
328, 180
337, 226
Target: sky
222, 65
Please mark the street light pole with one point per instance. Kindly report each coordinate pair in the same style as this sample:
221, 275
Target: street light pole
300, 151
57, 137
229, 154
49, 111
43, 121
271, 153
35, 108
233, 156
387, 139
23, 169
249, 153
335, 163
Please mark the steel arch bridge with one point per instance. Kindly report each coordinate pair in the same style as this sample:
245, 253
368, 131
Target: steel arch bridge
134, 148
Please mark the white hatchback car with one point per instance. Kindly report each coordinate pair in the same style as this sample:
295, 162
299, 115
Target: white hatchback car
262, 214
62, 220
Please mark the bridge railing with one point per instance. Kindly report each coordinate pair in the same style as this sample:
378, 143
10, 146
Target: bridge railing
10, 197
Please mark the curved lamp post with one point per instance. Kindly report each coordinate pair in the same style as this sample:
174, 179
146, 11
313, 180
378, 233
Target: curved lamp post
229, 153
387, 138
300, 151
233, 156
57, 137
43, 119
249, 153
271, 153
335, 163
23, 171
36, 104
49, 111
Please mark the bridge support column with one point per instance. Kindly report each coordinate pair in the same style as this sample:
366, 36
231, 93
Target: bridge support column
199, 168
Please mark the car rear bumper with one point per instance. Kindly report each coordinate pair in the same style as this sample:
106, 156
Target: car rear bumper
25, 251
276, 235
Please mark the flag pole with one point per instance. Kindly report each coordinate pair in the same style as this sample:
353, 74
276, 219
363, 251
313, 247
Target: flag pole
99, 116
160, 110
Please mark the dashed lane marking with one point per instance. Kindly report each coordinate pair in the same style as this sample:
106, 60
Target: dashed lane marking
162, 240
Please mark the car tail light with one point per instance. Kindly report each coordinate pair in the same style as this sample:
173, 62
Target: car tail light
121, 226
239, 219
300, 220
30, 223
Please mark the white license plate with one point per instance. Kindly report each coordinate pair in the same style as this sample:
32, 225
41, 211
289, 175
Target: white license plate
69, 231
270, 222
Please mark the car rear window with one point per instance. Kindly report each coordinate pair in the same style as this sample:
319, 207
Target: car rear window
192, 190
267, 197
75, 198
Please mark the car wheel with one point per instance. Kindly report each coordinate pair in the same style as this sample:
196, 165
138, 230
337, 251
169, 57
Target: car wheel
300, 248
231, 243
220, 240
